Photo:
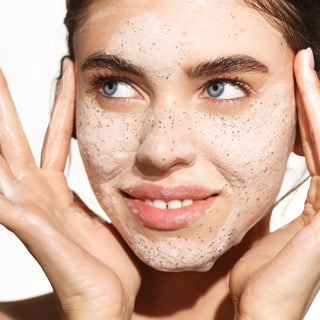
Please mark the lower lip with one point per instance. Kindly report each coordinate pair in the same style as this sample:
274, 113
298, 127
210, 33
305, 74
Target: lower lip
170, 219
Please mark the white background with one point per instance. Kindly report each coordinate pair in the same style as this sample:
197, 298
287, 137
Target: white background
32, 41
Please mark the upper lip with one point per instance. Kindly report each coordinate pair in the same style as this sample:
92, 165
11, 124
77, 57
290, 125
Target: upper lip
169, 192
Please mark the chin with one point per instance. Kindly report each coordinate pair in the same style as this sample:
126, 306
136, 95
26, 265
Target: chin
180, 266
196, 268
167, 256
181, 253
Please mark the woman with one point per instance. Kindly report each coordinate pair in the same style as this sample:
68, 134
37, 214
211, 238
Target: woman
185, 133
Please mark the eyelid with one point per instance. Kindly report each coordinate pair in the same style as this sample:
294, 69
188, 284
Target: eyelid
98, 80
232, 81
101, 80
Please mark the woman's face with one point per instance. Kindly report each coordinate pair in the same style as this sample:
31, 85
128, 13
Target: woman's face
185, 120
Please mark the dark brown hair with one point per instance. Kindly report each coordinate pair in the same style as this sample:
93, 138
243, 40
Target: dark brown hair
76, 12
297, 20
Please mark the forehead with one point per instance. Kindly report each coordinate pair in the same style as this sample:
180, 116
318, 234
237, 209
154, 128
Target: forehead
177, 31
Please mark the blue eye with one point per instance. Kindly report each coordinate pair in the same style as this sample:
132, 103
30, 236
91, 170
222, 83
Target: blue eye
118, 89
216, 89
224, 90
110, 88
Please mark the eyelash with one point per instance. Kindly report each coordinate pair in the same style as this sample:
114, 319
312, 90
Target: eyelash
99, 80
233, 81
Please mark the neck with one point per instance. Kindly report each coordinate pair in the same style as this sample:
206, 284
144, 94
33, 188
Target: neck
184, 294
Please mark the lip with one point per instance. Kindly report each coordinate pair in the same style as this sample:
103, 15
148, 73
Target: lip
169, 219
172, 192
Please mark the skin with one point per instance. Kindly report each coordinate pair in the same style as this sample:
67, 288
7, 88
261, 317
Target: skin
94, 274
218, 152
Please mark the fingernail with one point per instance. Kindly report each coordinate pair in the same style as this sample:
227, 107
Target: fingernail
311, 58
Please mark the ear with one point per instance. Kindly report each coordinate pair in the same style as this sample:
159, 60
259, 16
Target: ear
297, 147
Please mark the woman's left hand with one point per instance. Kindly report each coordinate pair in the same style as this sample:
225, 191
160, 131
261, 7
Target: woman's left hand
280, 276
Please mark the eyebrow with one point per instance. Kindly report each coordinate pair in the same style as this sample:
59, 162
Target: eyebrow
112, 62
230, 64
222, 65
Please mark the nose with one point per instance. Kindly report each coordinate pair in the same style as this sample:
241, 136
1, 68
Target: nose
166, 144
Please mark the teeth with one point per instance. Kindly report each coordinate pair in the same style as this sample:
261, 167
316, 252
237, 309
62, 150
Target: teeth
172, 204
187, 202
160, 204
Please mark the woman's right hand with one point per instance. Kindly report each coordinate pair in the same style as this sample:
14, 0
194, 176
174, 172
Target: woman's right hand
279, 277
92, 272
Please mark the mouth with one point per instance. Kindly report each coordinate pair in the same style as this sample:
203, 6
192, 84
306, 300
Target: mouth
169, 208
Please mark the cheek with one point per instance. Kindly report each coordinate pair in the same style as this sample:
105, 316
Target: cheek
107, 141
251, 149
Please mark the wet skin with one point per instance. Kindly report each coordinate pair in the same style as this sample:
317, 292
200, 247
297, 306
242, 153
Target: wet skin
212, 121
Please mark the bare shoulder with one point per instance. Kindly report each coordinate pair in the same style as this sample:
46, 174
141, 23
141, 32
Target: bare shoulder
42, 307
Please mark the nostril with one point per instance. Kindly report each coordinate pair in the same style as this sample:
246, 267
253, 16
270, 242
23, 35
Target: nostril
163, 157
185, 160
167, 161
150, 169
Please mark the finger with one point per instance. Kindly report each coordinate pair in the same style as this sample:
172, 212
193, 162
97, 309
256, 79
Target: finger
312, 203
76, 276
8, 214
282, 260
296, 265
57, 141
6, 177
14, 145
306, 140
309, 107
